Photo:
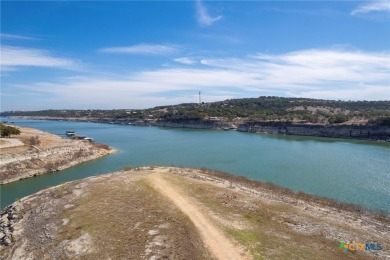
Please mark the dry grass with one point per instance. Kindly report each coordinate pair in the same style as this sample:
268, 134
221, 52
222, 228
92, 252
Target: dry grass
326, 202
127, 215
272, 230
122, 217
101, 146
46, 140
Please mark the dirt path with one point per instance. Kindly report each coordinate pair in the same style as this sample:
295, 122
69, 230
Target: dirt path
220, 246
10, 142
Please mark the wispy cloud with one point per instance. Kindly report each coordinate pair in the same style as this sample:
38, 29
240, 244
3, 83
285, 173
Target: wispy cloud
185, 60
146, 49
6, 36
13, 57
373, 6
316, 73
310, 73
204, 19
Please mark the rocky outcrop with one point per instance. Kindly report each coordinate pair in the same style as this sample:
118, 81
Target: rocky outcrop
195, 124
369, 132
33, 162
7, 217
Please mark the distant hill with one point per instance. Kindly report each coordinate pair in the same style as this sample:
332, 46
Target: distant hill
301, 110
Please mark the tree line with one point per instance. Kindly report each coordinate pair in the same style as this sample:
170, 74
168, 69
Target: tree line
264, 108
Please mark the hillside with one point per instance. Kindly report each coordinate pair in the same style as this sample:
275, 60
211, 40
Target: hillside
277, 109
181, 213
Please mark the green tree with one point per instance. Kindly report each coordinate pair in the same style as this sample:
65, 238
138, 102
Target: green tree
7, 131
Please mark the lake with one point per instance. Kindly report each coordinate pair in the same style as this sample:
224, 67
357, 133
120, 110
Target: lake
347, 170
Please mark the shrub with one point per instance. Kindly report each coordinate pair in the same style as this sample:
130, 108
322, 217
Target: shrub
7, 131
338, 119
34, 140
101, 146
381, 121
127, 167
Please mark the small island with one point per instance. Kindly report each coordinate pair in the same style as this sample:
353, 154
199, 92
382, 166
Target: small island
31, 152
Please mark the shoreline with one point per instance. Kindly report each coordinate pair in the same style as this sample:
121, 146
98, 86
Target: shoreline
373, 133
283, 193
53, 153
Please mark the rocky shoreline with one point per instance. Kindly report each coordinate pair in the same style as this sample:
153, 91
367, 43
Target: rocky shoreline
345, 131
53, 154
7, 221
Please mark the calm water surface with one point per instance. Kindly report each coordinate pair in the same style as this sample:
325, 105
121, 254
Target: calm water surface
350, 171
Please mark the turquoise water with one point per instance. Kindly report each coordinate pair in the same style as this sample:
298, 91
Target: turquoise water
350, 171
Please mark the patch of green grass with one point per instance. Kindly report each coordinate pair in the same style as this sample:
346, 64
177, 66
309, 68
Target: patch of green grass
265, 246
257, 217
250, 240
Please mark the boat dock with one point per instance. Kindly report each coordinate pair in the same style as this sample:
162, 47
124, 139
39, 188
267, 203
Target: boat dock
73, 135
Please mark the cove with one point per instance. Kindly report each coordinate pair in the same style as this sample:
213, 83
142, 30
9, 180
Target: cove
351, 171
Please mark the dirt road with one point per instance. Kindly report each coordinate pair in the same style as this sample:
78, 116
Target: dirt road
219, 245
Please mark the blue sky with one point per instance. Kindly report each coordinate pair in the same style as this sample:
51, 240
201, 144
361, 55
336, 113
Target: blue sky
134, 54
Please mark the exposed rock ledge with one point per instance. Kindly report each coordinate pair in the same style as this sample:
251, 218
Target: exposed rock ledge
53, 153
366, 132
373, 132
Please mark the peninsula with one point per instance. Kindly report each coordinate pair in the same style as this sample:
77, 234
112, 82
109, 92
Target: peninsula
183, 213
369, 120
35, 152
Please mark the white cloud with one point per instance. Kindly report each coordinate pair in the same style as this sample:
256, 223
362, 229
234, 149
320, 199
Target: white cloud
362, 93
148, 49
185, 60
204, 19
13, 57
315, 73
6, 36
316, 68
373, 6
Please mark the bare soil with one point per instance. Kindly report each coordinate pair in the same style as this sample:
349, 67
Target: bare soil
10, 142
